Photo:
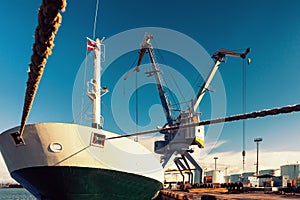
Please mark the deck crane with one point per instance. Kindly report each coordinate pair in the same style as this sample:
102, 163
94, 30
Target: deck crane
180, 140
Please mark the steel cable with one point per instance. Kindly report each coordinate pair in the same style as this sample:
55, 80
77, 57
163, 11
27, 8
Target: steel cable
255, 114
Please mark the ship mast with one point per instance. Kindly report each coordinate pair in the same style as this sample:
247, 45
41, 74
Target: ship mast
95, 93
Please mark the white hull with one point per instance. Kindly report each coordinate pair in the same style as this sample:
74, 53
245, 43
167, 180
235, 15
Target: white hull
123, 155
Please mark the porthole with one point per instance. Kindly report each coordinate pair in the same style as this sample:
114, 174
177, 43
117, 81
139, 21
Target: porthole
55, 147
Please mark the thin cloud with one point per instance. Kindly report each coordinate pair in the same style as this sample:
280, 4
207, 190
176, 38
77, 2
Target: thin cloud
232, 161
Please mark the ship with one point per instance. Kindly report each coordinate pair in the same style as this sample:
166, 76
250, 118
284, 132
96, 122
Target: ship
72, 161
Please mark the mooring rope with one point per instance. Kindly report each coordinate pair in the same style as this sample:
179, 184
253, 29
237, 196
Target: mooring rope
49, 20
255, 114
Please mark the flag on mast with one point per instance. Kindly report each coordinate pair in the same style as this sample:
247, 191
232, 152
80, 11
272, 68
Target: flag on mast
90, 46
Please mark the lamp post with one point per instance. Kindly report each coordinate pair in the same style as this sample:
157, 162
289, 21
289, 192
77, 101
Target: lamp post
215, 162
257, 140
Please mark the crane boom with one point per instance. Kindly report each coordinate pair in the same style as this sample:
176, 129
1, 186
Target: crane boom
147, 47
218, 57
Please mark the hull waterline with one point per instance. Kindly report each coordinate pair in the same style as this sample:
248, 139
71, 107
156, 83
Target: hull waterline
85, 183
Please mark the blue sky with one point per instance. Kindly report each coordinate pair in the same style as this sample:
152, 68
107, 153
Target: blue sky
270, 28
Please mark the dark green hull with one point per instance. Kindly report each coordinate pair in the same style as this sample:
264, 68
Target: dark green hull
70, 183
